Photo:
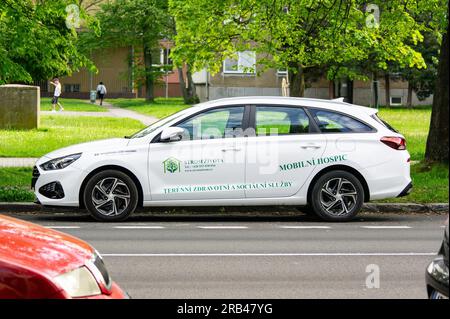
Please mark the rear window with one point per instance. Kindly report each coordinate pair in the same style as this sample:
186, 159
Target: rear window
384, 123
333, 122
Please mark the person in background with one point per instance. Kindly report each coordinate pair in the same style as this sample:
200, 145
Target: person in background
56, 95
101, 91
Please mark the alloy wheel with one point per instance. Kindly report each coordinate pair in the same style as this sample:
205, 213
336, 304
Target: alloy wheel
111, 196
338, 196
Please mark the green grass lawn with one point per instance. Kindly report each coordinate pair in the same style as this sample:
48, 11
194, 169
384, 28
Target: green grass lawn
59, 131
160, 108
15, 184
73, 105
413, 124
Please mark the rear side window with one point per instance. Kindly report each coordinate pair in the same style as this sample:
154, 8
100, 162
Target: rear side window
280, 120
384, 123
334, 122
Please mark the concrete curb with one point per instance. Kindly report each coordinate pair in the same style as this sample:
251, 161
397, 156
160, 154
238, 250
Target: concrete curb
24, 207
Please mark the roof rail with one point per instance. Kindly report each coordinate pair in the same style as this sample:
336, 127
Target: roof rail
339, 99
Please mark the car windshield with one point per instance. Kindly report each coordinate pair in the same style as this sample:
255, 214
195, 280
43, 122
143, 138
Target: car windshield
158, 124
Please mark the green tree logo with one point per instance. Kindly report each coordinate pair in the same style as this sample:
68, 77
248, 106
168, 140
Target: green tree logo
171, 165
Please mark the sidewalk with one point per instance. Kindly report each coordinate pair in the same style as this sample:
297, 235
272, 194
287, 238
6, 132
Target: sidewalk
112, 111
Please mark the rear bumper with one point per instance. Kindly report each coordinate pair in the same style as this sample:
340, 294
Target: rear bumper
406, 190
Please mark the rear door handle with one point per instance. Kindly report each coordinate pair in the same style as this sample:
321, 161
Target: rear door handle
231, 149
314, 146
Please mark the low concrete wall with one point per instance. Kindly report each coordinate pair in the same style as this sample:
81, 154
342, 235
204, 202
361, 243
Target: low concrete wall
19, 106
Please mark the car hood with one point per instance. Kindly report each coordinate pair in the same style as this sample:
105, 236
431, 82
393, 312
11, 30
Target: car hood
40, 249
95, 146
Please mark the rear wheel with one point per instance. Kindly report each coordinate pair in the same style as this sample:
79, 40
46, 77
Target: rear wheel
110, 196
337, 196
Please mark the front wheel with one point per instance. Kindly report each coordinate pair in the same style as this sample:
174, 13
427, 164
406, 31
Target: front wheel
337, 196
110, 196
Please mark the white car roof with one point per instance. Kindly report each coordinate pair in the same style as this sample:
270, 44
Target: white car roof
334, 105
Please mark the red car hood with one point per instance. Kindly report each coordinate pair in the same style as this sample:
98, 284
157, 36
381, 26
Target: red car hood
37, 248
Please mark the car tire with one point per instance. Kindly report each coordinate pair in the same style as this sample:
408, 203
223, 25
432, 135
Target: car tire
110, 196
337, 196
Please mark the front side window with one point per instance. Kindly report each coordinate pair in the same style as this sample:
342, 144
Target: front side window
333, 122
280, 120
216, 123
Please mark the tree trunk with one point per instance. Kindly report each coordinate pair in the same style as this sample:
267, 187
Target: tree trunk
149, 96
187, 86
437, 142
409, 98
349, 91
387, 85
182, 84
331, 90
192, 92
296, 80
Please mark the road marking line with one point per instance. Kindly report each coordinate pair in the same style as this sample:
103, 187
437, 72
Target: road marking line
264, 255
222, 227
386, 227
305, 227
139, 227
63, 227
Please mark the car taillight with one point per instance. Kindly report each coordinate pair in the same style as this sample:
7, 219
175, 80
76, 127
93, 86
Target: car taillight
397, 143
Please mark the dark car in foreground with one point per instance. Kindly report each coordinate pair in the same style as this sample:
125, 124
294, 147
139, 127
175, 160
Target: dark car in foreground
40, 263
437, 272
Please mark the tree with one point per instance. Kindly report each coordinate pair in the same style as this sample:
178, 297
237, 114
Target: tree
298, 35
138, 23
437, 142
36, 43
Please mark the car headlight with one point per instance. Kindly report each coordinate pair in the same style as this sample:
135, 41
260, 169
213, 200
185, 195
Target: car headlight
78, 283
60, 162
98, 268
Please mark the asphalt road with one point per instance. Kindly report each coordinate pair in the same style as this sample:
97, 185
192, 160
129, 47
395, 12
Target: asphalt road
260, 257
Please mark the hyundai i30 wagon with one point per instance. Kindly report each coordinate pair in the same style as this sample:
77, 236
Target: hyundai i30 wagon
326, 155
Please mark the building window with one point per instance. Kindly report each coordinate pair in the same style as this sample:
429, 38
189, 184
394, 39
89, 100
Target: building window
244, 64
282, 72
164, 57
71, 88
396, 100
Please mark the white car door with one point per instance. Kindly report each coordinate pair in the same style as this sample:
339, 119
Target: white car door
207, 163
283, 152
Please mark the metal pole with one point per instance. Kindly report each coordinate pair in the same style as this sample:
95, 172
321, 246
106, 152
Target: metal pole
167, 72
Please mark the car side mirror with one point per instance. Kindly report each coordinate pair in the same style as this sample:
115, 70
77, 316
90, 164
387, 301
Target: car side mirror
172, 134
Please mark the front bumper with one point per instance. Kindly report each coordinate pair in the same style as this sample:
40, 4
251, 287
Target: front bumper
66, 182
116, 293
436, 277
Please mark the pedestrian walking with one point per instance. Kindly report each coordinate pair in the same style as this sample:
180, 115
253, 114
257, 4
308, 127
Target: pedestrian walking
56, 95
101, 91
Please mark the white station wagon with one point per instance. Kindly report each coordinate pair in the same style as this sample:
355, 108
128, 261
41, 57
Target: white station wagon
327, 155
